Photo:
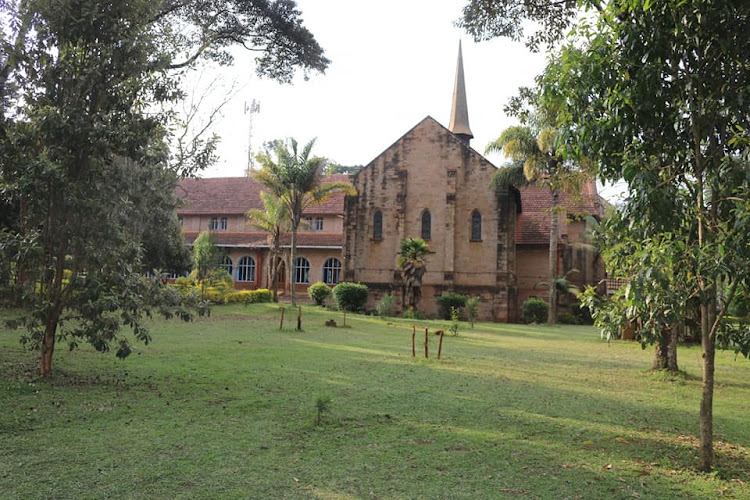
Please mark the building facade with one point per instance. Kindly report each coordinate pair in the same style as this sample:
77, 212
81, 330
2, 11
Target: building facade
490, 243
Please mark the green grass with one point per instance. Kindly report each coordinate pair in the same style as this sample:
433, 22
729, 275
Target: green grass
225, 407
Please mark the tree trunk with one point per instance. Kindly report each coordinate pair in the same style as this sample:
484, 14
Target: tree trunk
292, 268
48, 345
553, 237
708, 348
665, 355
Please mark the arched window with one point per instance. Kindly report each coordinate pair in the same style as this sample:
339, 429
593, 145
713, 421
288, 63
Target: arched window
301, 270
426, 225
377, 225
476, 226
213, 224
331, 271
246, 269
226, 264
223, 224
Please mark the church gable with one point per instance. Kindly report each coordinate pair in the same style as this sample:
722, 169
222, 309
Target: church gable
429, 184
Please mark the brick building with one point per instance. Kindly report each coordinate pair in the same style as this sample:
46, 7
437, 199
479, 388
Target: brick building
430, 183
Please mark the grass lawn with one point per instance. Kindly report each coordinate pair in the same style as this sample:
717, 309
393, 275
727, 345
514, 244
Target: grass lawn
224, 408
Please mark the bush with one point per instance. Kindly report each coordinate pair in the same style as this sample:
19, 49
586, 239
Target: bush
249, 296
582, 313
567, 318
412, 313
385, 306
350, 296
448, 301
534, 311
318, 292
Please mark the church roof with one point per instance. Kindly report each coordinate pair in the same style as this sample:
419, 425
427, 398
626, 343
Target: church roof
237, 195
533, 223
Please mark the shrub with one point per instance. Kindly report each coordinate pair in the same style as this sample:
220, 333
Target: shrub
567, 318
214, 295
350, 296
534, 311
582, 313
249, 296
448, 301
260, 295
318, 292
454, 321
412, 313
184, 284
385, 306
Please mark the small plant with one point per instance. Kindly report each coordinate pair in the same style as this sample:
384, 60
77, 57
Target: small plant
448, 301
472, 309
322, 405
454, 321
412, 313
534, 311
319, 292
385, 306
566, 318
350, 296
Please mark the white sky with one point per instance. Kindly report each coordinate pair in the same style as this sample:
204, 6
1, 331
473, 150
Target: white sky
393, 62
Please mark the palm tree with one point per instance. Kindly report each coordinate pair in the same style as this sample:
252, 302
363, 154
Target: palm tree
274, 221
412, 259
295, 178
536, 160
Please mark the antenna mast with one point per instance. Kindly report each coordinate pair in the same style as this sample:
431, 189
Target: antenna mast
251, 110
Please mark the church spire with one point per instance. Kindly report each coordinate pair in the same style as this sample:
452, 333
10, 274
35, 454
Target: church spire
459, 124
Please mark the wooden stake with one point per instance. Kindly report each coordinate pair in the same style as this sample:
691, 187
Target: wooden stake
413, 343
281, 325
344, 317
299, 318
426, 340
440, 344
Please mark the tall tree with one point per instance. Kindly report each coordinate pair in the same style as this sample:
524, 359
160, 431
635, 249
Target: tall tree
273, 219
83, 160
657, 93
296, 178
535, 159
412, 259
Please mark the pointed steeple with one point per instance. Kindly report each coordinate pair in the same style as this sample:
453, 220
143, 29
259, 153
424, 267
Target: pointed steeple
459, 124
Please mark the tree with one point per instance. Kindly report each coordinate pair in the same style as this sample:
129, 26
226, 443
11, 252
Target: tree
656, 93
536, 159
83, 156
274, 221
296, 179
204, 259
412, 259
487, 19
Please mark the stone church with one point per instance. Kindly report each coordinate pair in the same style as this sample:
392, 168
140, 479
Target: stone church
431, 184
491, 243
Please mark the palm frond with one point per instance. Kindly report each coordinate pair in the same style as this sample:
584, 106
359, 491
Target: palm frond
515, 142
509, 175
547, 139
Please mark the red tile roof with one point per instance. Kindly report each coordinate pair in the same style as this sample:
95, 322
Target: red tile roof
237, 195
533, 223
255, 239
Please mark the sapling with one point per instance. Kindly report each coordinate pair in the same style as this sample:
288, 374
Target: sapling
322, 405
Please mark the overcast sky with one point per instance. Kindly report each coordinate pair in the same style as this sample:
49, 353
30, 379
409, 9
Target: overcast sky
393, 63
